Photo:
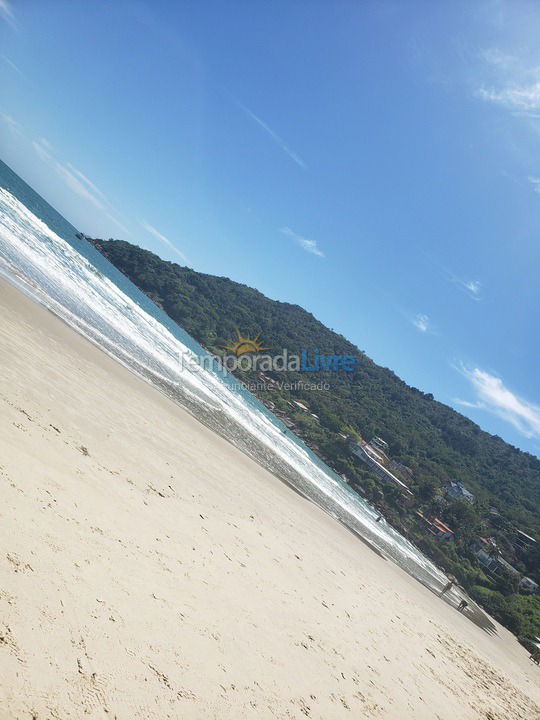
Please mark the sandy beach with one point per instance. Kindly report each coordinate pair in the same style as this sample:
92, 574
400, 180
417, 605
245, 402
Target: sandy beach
148, 569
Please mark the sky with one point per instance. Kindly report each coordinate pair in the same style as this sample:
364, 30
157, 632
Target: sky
375, 162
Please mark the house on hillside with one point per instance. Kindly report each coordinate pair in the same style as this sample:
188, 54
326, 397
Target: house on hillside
375, 453
487, 544
528, 585
458, 491
505, 566
488, 555
379, 442
375, 460
436, 527
523, 541
400, 468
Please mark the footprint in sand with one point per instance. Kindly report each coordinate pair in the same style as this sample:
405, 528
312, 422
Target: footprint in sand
17, 564
8, 642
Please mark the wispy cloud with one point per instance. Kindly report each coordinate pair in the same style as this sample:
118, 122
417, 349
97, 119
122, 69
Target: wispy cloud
498, 58
86, 181
422, 322
43, 150
12, 65
46, 144
514, 97
118, 224
514, 82
472, 288
275, 137
165, 240
10, 121
6, 11
305, 243
77, 181
494, 397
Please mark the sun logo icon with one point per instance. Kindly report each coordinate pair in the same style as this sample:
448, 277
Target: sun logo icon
243, 345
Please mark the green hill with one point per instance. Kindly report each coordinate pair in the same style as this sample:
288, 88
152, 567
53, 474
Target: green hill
437, 443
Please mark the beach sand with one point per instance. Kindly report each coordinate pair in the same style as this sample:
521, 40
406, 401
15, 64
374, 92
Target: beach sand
148, 569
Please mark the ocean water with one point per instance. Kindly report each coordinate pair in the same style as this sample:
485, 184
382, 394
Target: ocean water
40, 254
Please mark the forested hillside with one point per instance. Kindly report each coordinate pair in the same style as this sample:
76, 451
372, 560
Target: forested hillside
437, 443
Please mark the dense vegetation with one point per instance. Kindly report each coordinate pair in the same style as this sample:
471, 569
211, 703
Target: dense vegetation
437, 443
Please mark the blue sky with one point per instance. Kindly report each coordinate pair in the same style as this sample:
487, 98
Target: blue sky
376, 162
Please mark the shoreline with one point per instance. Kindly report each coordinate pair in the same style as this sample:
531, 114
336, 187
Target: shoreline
152, 570
157, 387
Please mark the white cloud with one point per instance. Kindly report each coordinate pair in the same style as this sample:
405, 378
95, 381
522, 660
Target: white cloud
514, 81
473, 288
275, 137
535, 182
165, 240
422, 322
494, 397
514, 97
305, 243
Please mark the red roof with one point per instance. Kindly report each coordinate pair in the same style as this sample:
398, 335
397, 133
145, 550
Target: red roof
442, 526
436, 523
